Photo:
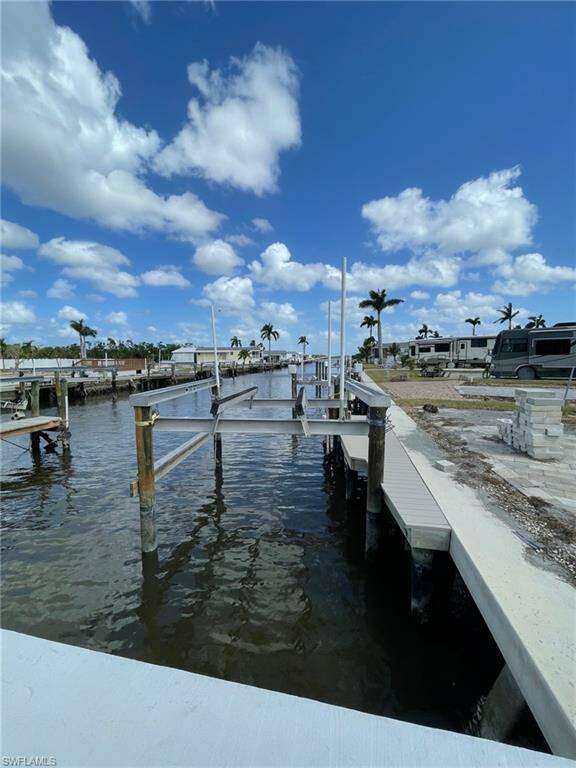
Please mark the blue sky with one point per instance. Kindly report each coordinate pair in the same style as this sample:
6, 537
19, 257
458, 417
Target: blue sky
159, 156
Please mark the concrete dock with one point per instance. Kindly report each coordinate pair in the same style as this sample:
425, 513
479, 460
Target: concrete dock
79, 708
529, 610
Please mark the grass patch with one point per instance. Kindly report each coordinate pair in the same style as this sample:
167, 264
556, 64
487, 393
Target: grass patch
515, 383
378, 375
464, 405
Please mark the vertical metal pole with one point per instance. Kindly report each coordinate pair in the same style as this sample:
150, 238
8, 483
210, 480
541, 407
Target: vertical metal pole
146, 482
567, 389
342, 339
61, 387
376, 446
35, 411
329, 349
216, 368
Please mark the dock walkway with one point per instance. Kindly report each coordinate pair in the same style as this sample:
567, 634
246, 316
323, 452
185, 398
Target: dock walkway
414, 508
15, 427
85, 708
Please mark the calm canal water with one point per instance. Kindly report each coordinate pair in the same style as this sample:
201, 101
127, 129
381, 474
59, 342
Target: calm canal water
261, 581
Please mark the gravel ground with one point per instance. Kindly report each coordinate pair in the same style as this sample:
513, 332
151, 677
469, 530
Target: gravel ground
547, 529
434, 390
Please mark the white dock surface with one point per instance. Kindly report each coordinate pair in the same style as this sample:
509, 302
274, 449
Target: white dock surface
85, 708
414, 508
14, 427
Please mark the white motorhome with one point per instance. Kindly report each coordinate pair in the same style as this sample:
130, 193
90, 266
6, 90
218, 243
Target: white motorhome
535, 353
454, 352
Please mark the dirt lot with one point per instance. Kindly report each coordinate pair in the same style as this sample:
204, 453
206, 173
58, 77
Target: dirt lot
548, 529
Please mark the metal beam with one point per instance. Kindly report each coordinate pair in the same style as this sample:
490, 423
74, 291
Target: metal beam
279, 402
262, 426
373, 396
171, 460
219, 404
19, 379
169, 393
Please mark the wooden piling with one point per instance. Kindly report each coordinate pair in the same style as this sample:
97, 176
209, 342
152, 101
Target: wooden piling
35, 411
217, 435
114, 385
294, 390
146, 482
376, 449
61, 389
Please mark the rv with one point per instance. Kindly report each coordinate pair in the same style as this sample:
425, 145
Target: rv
453, 352
535, 354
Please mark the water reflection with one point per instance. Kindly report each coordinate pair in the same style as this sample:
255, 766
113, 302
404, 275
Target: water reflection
260, 577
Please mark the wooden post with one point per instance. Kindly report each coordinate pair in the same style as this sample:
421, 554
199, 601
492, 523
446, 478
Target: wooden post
294, 390
376, 444
114, 385
146, 482
35, 411
61, 387
173, 372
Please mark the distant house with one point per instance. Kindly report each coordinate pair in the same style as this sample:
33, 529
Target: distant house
280, 356
204, 355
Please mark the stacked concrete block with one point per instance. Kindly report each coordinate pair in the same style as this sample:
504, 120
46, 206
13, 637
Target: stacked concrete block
537, 425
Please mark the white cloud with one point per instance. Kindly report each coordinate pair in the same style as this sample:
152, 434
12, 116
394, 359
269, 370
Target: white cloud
278, 313
441, 272
152, 328
217, 258
28, 294
451, 308
94, 262
419, 295
143, 8
61, 289
487, 217
232, 295
16, 312
262, 225
167, 275
240, 123
9, 264
63, 145
117, 318
14, 236
277, 270
240, 240
71, 313
529, 273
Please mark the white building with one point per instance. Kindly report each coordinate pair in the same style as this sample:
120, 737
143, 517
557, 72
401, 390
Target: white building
203, 355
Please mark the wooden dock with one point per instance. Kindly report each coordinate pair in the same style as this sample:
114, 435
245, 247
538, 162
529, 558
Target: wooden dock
84, 708
414, 508
15, 427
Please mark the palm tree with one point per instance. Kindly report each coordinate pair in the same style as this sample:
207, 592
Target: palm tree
474, 321
253, 343
268, 333
235, 342
243, 355
507, 315
435, 335
365, 351
378, 302
369, 322
536, 321
424, 332
83, 332
3, 348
